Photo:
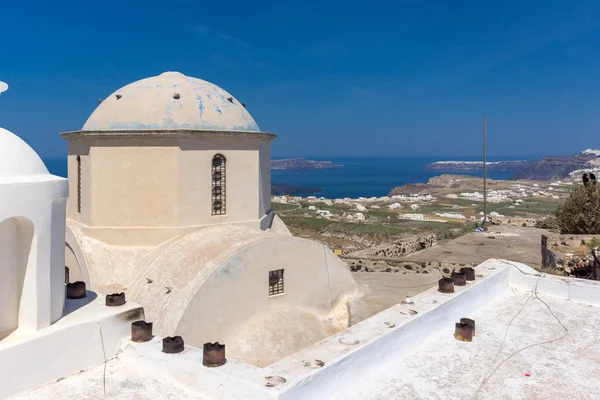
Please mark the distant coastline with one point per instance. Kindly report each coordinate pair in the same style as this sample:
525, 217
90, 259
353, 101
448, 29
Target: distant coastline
359, 176
301, 164
546, 168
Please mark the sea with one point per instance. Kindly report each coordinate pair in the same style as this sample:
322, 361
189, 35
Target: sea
358, 176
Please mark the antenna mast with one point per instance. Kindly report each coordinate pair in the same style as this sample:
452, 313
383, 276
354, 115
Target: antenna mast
484, 173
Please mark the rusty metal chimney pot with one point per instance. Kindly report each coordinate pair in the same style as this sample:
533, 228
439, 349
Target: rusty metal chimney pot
141, 331
115, 299
464, 332
469, 273
173, 345
446, 285
76, 290
214, 355
459, 278
468, 321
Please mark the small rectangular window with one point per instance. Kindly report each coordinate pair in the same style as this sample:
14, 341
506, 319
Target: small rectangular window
78, 185
275, 282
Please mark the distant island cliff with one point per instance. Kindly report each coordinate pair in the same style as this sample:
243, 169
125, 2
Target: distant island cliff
301, 163
547, 168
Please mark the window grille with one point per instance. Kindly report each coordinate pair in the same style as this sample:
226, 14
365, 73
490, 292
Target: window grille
67, 275
78, 185
218, 185
275, 282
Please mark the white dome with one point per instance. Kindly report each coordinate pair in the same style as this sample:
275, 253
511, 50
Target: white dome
17, 158
171, 101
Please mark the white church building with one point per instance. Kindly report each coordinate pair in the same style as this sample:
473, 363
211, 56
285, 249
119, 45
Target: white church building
31, 249
43, 336
170, 202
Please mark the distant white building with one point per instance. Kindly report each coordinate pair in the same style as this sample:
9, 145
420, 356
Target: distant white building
451, 215
360, 207
414, 206
493, 214
359, 216
324, 213
395, 206
412, 217
312, 208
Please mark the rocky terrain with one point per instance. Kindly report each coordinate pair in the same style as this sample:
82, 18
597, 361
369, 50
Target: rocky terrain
437, 182
547, 168
301, 163
555, 167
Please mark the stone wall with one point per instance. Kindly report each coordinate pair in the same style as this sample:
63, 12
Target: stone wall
514, 221
569, 255
404, 266
404, 246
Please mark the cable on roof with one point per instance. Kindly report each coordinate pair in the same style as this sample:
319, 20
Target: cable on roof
533, 294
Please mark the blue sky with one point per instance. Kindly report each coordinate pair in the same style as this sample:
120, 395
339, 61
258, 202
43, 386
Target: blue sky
406, 78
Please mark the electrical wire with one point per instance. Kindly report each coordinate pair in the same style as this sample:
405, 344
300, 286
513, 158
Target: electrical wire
105, 360
521, 271
533, 294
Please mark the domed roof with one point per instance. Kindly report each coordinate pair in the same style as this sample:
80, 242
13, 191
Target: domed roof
17, 158
171, 101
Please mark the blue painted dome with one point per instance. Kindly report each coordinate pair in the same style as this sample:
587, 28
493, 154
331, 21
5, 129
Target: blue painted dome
171, 101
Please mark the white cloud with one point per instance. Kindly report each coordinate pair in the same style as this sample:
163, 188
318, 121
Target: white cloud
3, 87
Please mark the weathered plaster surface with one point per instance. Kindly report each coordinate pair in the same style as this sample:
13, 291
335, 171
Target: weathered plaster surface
122, 383
212, 285
151, 104
395, 355
79, 340
448, 369
32, 226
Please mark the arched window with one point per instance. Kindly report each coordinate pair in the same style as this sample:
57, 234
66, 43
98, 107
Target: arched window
218, 185
78, 185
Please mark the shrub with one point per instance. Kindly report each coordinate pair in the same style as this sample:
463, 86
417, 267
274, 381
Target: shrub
580, 213
592, 243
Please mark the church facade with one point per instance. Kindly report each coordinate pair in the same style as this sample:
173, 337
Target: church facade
170, 202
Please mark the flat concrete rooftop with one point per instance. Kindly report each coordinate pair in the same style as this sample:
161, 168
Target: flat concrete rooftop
536, 338
122, 383
520, 351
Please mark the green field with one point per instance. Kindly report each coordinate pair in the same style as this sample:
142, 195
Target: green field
397, 228
282, 206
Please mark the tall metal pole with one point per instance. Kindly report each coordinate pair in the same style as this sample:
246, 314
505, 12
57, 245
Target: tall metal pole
484, 174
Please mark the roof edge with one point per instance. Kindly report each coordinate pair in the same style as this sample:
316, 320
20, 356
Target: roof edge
164, 133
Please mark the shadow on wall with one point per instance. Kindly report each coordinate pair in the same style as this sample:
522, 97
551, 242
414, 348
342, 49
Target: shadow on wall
74, 305
17, 254
75, 273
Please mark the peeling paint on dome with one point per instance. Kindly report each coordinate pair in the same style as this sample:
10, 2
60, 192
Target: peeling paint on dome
149, 104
